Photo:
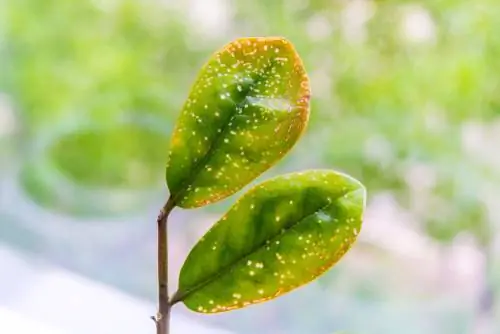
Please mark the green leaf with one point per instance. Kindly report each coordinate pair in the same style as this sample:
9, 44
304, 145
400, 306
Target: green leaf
280, 235
246, 110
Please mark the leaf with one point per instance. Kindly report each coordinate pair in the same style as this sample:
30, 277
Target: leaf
246, 110
280, 235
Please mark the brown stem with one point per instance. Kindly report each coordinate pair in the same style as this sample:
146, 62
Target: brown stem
163, 316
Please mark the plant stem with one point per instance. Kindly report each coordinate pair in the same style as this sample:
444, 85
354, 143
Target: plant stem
163, 316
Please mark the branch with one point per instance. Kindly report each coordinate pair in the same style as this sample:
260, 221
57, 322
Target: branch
162, 318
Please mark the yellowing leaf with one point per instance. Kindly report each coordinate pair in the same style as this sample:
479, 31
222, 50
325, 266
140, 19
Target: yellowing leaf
246, 110
280, 235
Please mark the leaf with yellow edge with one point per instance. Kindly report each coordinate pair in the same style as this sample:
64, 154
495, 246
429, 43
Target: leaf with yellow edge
246, 110
280, 235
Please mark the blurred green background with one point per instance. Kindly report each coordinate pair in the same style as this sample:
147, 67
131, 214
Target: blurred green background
406, 97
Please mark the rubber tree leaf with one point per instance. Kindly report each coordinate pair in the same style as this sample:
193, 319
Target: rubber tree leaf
246, 110
280, 235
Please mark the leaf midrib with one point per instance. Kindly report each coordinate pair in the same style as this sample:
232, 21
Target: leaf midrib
215, 143
180, 297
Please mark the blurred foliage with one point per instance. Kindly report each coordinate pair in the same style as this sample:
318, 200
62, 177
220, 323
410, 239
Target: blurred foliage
394, 102
79, 59
86, 67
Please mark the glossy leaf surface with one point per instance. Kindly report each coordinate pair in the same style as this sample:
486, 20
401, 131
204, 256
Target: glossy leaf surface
280, 235
246, 110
